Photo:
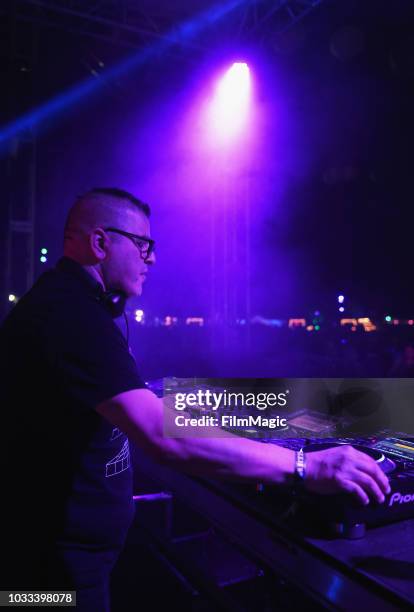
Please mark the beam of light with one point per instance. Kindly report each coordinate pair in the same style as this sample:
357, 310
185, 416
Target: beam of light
177, 35
230, 105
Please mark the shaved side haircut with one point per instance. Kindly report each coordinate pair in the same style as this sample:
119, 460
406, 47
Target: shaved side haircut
102, 206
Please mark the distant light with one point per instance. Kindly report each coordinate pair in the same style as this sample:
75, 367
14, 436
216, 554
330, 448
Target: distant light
341, 299
43, 251
139, 316
367, 324
396, 322
410, 322
309, 328
341, 309
195, 321
316, 313
264, 321
388, 319
12, 297
317, 327
352, 322
296, 323
169, 320
43, 259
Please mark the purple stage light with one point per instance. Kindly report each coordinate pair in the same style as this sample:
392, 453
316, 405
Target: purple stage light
230, 104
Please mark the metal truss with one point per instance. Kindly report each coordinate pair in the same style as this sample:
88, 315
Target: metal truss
19, 193
124, 23
275, 15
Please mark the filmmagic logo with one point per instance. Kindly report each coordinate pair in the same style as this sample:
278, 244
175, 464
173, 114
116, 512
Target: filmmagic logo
401, 499
227, 399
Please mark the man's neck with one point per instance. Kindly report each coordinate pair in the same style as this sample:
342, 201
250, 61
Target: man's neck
94, 271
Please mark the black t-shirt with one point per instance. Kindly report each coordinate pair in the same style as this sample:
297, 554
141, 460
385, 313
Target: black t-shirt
66, 471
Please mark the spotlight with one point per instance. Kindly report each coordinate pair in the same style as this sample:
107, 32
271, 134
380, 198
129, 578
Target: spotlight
231, 102
12, 297
341, 299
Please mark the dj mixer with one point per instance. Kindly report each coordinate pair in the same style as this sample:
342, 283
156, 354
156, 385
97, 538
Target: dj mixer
344, 516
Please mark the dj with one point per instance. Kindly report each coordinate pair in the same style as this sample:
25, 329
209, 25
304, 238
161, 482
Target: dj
71, 396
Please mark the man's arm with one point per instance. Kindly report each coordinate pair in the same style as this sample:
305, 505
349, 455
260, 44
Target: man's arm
140, 414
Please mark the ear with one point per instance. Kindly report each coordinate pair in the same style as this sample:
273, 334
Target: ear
99, 243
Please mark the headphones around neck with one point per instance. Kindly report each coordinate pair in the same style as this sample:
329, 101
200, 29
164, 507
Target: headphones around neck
114, 301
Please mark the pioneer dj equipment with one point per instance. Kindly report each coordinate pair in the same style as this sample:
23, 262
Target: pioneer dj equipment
340, 513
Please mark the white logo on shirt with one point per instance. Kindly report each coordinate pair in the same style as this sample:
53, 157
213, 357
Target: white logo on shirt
120, 462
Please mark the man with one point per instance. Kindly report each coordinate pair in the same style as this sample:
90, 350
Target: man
72, 395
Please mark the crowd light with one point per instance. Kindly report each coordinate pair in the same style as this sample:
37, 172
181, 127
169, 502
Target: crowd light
316, 324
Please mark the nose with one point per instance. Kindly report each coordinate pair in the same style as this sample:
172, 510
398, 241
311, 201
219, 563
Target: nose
151, 259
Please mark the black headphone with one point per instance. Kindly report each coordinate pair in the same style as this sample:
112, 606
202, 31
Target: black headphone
114, 301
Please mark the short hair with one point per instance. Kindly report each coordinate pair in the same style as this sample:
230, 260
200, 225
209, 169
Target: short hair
115, 192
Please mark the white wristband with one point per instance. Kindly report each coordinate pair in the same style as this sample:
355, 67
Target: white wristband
300, 465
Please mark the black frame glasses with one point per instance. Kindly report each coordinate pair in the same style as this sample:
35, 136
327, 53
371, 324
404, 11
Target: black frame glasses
145, 252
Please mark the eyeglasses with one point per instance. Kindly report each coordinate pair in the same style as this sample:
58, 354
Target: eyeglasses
146, 246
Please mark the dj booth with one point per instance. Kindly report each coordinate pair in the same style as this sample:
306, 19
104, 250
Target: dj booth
219, 535
260, 547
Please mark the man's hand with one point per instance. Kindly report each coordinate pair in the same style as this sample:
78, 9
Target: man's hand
347, 470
